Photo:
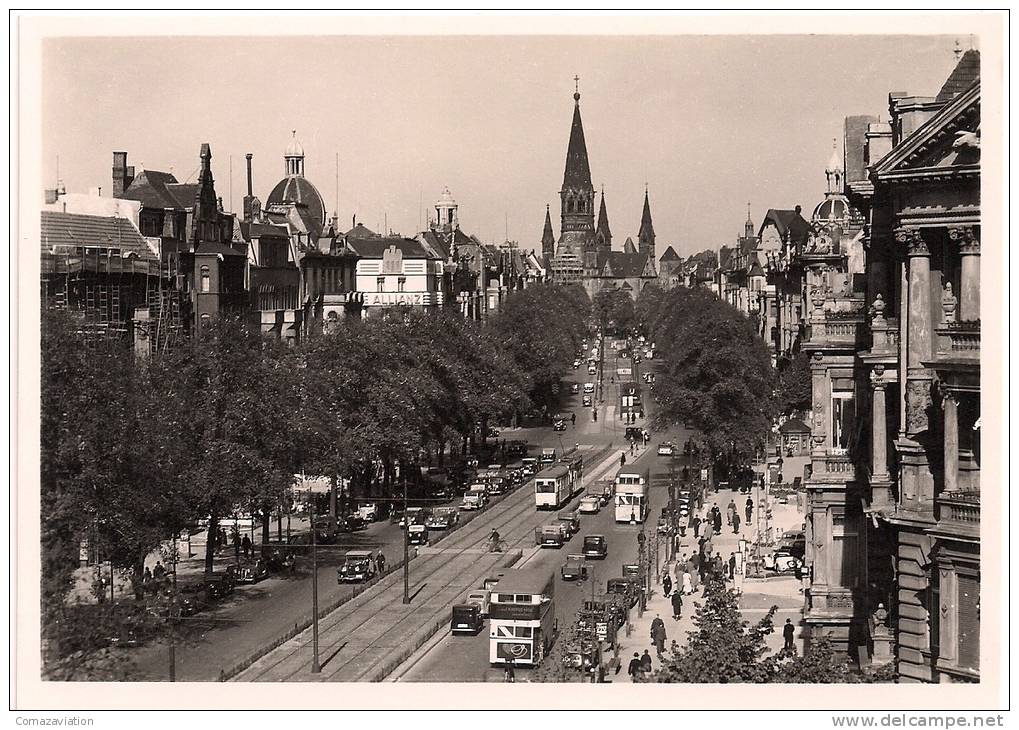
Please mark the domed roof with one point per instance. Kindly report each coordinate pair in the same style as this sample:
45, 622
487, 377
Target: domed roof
294, 149
831, 209
299, 191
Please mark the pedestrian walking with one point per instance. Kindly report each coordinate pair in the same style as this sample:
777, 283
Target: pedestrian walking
696, 522
732, 566
687, 584
222, 537
749, 509
735, 523
380, 562
634, 669
158, 572
594, 415
718, 521
622, 459
246, 546
632, 446
709, 531
645, 664
667, 585
659, 636
789, 634
573, 418
677, 605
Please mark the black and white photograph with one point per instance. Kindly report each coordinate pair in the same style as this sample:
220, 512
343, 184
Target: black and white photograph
416, 357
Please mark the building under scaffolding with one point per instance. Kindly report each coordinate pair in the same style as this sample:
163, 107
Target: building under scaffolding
101, 267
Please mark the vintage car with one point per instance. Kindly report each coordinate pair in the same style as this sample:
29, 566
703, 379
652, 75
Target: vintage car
666, 448
516, 448
221, 583
576, 364
574, 388
358, 566
634, 433
782, 561
417, 534
352, 523
589, 505
559, 424
530, 466
793, 542
623, 587
369, 512
497, 485
548, 456
472, 501
252, 572
665, 521
571, 520
587, 399
553, 535
575, 568
592, 370
443, 518
480, 597
588, 387
466, 619
606, 490
596, 546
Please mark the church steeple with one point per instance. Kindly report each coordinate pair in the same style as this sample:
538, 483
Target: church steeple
603, 236
548, 237
748, 228
577, 194
646, 235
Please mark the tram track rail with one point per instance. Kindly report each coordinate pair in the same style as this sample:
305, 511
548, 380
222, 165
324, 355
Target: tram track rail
457, 545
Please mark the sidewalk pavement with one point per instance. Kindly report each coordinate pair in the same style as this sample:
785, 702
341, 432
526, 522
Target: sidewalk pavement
758, 596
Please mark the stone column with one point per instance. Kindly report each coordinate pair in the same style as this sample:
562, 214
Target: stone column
919, 331
950, 406
879, 427
969, 289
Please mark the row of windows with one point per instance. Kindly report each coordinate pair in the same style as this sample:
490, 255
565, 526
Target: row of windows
401, 284
514, 598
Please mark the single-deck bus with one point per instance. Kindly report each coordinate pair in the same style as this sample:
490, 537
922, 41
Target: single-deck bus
522, 617
631, 496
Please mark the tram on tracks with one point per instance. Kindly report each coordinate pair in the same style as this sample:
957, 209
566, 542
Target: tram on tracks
632, 496
522, 622
556, 485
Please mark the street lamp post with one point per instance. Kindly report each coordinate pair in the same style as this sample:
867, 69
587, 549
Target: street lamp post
315, 667
406, 543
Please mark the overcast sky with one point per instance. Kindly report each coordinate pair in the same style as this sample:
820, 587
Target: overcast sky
708, 122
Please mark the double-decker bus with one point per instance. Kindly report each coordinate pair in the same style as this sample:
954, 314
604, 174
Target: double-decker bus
632, 496
557, 484
522, 617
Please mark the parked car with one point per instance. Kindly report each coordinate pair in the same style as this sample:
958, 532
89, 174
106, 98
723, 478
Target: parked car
588, 387
589, 505
559, 425
358, 566
530, 466
417, 534
482, 598
794, 542
782, 561
252, 572
352, 523
592, 370
596, 546
548, 456
587, 399
575, 568
443, 518
666, 448
466, 619
622, 587
369, 512
575, 388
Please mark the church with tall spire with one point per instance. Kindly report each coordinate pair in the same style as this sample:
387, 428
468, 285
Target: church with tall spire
583, 253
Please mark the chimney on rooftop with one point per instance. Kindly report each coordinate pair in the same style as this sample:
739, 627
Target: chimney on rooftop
250, 196
123, 175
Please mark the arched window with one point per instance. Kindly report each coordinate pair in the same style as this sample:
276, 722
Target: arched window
206, 279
